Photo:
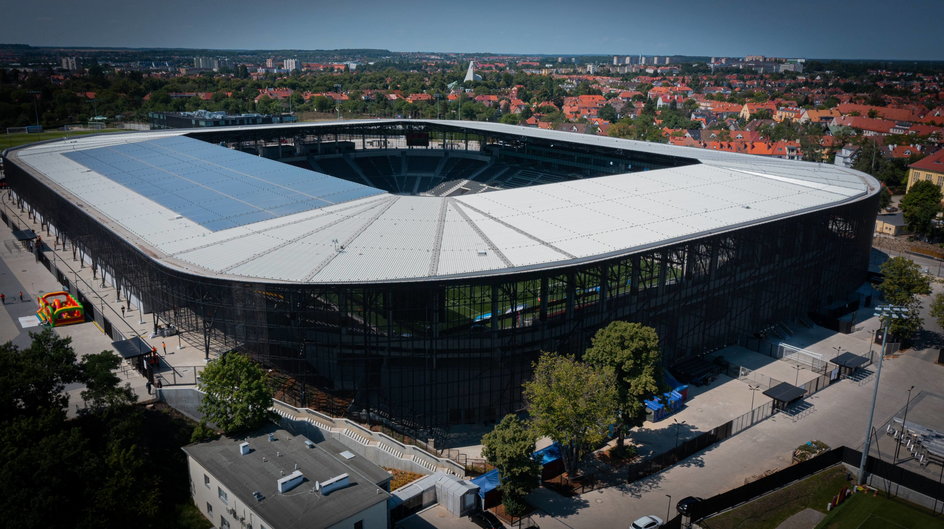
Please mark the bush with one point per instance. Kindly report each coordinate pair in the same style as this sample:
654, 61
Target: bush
514, 506
202, 433
809, 450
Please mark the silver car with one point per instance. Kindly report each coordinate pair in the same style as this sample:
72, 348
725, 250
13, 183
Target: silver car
647, 522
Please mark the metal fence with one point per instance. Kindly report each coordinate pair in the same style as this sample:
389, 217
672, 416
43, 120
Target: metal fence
801, 357
179, 376
733, 427
882, 469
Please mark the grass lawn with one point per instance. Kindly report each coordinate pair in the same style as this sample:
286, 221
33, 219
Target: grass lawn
864, 511
767, 512
12, 140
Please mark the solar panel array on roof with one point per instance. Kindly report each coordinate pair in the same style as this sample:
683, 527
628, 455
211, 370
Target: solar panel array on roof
216, 187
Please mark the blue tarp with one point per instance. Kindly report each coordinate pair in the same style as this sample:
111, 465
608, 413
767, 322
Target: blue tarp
548, 454
487, 482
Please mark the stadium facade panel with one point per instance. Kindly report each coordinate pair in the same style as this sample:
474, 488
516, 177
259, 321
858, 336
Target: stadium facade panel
418, 271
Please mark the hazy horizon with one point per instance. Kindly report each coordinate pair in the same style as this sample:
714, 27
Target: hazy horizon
804, 28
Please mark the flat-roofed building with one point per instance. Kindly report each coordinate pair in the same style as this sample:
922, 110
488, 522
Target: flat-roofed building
273, 479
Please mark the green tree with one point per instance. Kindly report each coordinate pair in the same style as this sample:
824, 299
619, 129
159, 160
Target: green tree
510, 119
937, 309
571, 402
33, 380
510, 447
98, 470
236, 394
920, 205
607, 112
103, 387
904, 282
631, 350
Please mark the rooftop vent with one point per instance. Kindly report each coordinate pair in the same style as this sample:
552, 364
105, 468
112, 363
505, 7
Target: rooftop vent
271, 437
244, 448
347, 454
335, 483
257, 495
309, 444
289, 482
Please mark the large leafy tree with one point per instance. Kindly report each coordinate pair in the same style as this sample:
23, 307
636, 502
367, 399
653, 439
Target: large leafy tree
510, 447
937, 309
103, 389
904, 282
920, 205
632, 351
237, 396
571, 402
98, 470
33, 380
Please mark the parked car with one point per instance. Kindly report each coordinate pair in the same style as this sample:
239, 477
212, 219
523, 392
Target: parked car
684, 506
486, 520
647, 522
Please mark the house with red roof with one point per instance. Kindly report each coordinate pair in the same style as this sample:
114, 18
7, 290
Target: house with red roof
274, 93
930, 168
416, 98
487, 100
889, 113
866, 126
749, 109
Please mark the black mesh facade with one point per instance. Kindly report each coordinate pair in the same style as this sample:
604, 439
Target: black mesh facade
434, 353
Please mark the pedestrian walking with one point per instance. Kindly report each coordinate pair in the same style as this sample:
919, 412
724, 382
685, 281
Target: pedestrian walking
21, 295
164, 345
148, 386
3, 299
122, 311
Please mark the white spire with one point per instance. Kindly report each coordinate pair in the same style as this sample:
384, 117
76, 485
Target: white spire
470, 75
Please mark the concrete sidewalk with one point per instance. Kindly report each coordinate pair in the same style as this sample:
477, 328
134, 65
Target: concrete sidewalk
21, 271
839, 415
179, 356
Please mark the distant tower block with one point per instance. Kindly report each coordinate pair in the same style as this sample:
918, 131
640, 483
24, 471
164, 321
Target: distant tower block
470, 75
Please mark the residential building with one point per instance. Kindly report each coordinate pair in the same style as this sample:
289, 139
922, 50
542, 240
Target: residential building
203, 118
929, 168
891, 224
69, 63
273, 479
845, 156
290, 64
206, 63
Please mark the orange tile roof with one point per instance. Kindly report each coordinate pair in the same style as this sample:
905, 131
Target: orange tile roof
894, 114
883, 126
933, 162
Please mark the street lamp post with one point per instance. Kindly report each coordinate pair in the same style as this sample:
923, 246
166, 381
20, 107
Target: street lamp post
667, 506
904, 420
886, 313
753, 388
677, 426
797, 381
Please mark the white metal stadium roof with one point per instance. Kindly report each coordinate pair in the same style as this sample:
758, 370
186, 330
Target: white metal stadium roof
194, 207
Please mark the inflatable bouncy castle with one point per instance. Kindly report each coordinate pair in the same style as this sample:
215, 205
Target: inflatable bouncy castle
59, 308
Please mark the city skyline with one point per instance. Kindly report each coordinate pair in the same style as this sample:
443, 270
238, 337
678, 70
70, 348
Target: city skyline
807, 29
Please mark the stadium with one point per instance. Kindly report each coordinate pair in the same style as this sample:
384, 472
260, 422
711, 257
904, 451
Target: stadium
417, 268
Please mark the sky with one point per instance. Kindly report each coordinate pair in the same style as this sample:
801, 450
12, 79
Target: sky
842, 29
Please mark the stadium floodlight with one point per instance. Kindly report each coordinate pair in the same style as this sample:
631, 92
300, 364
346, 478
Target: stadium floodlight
886, 314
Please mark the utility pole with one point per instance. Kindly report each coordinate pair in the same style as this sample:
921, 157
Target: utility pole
886, 313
